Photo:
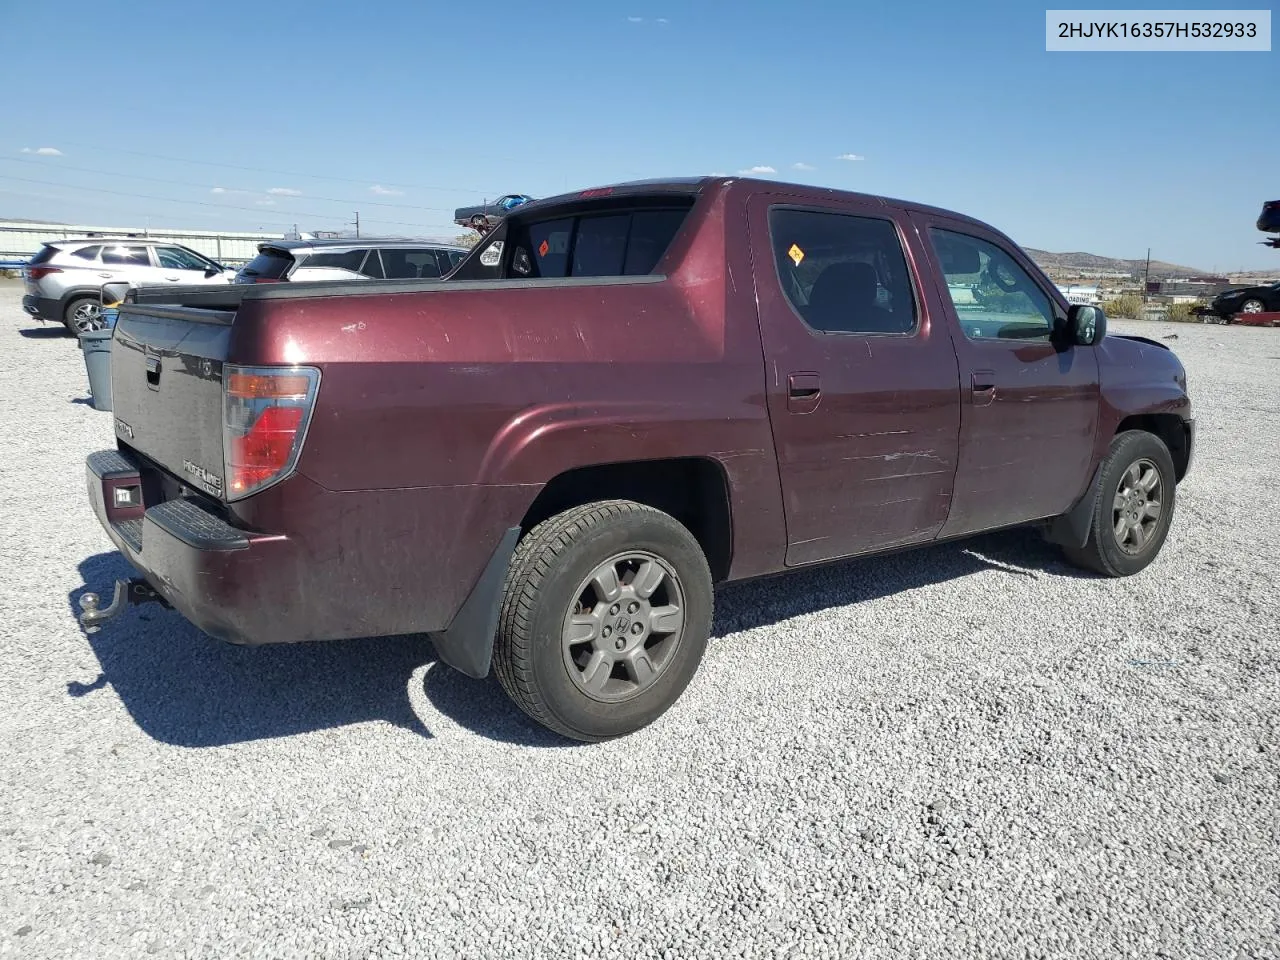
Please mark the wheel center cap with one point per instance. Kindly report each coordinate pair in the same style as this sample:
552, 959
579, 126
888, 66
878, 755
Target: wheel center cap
622, 623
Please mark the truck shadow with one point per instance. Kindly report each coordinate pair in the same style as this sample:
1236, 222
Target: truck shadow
184, 688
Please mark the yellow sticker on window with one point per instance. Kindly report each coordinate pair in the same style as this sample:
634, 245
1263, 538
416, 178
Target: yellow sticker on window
796, 254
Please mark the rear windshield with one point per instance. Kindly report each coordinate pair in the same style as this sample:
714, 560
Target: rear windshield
612, 243
269, 265
44, 256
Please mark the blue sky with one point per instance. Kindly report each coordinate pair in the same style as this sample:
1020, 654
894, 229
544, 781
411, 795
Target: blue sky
405, 110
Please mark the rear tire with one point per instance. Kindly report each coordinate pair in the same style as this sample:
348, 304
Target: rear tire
1134, 508
1253, 306
82, 315
592, 654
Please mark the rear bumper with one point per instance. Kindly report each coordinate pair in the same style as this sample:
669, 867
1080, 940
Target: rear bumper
368, 563
220, 578
42, 308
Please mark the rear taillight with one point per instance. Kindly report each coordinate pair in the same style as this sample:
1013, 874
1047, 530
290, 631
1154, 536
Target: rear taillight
39, 273
265, 413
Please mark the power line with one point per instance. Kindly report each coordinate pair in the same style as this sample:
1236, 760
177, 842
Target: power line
291, 173
205, 186
205, 203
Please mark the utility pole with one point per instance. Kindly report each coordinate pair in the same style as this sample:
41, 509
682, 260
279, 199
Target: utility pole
357, 224
1146, 276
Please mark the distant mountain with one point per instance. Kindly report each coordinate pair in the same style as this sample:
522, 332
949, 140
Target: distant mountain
1079, 263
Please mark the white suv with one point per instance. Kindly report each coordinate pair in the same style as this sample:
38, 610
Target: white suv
64, 280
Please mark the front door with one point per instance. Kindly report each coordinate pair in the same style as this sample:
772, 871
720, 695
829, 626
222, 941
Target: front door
863, 384
1030, 407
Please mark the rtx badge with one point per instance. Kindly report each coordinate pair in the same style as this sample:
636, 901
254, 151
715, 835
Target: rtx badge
210, 481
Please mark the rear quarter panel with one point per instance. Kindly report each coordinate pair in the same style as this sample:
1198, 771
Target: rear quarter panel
442, 413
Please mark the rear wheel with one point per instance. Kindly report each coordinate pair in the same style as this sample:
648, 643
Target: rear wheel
1134, 508
478, 222
605, 618
1252, 306
82, 315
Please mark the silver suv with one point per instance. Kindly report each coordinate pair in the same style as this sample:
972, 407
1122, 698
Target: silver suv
64, 280
335, 259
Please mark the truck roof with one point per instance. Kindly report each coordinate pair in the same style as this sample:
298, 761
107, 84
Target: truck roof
692, 186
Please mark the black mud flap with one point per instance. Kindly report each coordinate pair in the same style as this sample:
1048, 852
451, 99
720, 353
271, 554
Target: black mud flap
1072, 528
467, 643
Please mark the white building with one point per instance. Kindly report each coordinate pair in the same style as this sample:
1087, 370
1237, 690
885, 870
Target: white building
21, 240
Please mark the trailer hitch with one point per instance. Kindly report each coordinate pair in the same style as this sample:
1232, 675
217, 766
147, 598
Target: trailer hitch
125, 593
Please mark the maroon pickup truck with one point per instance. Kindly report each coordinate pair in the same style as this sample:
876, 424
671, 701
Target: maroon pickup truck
620, 398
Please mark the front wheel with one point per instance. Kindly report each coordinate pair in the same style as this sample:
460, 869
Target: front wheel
605, 617
1253, 306
1134, 509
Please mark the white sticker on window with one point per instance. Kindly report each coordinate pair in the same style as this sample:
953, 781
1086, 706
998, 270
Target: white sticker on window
492, 255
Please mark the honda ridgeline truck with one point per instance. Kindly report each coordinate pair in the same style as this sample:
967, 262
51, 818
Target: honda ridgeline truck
620, 398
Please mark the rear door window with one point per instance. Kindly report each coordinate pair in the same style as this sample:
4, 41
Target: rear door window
372, 266
346, 260
126, 256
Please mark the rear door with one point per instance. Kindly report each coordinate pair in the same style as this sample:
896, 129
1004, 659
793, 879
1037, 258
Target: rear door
1030, 408
128, 261
863, 383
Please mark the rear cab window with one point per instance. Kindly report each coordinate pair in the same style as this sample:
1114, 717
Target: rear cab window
626, 239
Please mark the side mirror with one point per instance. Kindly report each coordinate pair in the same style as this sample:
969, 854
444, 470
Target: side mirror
1086, 325
214, 271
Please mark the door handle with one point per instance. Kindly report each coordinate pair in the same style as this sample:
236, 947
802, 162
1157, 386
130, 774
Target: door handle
173, 278
804, 391
107, 276
984, 387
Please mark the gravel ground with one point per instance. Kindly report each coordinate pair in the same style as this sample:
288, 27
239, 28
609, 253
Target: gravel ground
969, 751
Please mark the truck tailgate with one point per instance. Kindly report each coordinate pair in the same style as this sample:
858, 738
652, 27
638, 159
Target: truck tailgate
166, 385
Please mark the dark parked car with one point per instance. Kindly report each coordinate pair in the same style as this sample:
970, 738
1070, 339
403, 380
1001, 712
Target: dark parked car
1269, 220
619, 398
1246, 301
485, 215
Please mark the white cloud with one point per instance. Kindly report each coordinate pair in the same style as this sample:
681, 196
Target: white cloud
265, 203
635, 19
284, 192
756, 169
850, 156
382, 191
43, 151
219, 190
663, 20
803, 166
718, 173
